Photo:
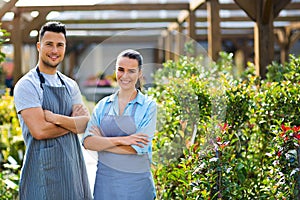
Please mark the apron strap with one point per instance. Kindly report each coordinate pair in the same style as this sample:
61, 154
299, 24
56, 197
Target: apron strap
42, 79
132, 112
133, 109
108, 108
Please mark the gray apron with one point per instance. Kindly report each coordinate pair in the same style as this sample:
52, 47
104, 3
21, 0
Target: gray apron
54, 169
118, 176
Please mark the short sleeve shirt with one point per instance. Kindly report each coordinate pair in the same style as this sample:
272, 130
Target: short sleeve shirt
29, 94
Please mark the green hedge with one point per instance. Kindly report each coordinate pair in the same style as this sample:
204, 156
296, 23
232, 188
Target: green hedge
12, 148
228, 138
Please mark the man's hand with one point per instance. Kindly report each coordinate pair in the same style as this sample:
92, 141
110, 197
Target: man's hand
76, 123
79, 110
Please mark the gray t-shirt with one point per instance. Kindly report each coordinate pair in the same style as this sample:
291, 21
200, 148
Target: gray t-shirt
29, 94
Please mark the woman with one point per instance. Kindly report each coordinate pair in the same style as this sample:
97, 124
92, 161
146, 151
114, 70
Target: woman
121, 129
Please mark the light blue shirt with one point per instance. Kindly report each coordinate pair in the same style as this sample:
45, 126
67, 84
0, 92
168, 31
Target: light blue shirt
144, 117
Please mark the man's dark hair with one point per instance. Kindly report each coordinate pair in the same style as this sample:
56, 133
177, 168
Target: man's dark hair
56, 27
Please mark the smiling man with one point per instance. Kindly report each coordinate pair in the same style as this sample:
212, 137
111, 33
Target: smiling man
51, 113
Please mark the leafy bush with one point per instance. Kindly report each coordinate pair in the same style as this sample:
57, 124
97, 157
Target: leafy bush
11, 143
218, 137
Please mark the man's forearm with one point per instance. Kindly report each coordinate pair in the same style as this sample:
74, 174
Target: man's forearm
74, 124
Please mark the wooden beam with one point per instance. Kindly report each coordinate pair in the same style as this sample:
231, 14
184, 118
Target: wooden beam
117, 29
183, 15
249, 7
279, 5
36, 23
295, 25
195, 4
245, 19
7, 7
173, 26
100, 38
97, 7
236, 6
110, 21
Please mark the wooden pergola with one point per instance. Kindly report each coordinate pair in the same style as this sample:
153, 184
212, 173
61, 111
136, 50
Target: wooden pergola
262, 13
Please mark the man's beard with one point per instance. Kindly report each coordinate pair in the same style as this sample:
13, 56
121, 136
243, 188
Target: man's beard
48, 64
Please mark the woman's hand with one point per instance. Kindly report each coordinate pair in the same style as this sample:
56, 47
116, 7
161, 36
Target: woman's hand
96, 131
139, 139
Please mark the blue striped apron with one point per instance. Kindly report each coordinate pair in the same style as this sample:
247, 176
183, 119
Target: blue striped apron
119, 176
54, 169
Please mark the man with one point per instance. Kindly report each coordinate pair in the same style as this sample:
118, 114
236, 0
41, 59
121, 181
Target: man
51, 112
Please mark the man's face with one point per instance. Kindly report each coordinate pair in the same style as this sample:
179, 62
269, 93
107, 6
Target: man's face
52, 49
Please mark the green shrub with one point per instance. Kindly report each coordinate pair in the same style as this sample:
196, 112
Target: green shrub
11, 143
218, 137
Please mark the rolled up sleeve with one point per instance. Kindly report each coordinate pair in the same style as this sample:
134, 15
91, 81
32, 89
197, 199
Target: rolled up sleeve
147, 126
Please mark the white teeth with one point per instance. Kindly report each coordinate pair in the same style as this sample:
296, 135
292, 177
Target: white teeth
53, 57
125, 82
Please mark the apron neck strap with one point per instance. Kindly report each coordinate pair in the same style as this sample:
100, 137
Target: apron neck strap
132, 112
42, 79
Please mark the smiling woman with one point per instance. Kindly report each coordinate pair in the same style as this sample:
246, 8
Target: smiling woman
121, 130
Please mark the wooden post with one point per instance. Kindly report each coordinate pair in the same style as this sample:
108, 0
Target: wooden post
168, 45
263, 37
178, 37
214, 32
286, 38
16, 36
263, 12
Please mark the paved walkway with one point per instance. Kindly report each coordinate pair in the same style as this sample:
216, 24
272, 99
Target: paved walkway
91, 165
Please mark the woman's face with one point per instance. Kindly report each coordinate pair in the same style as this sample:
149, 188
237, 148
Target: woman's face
127, 73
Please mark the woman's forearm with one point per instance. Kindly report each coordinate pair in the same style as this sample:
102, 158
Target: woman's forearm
98, 143
121, 150
120, 145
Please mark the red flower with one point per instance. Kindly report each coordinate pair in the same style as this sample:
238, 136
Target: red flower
282, 135
286, 138
296, 128
279, 153
297, 136
224, 127
223, 144
285, 128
